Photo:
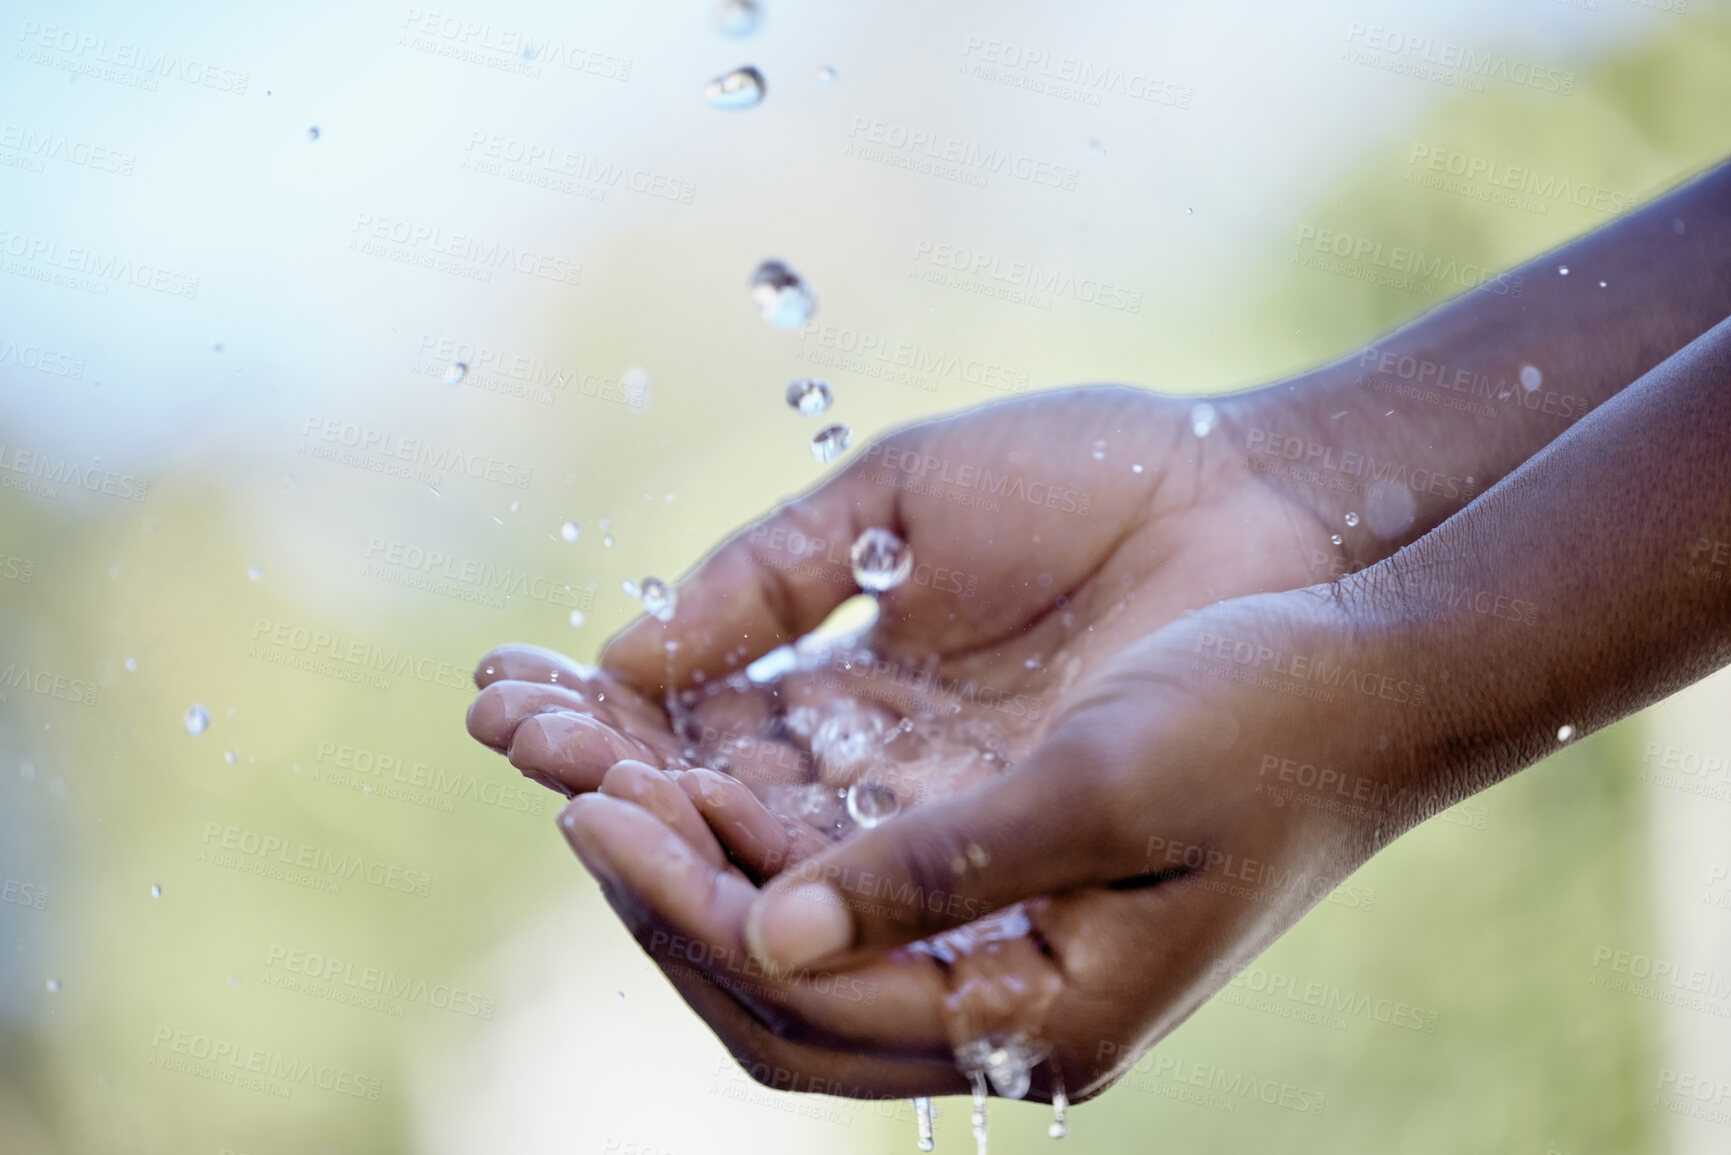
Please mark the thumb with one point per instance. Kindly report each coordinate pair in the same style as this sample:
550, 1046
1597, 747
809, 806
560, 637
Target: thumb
1038, 830
770, 583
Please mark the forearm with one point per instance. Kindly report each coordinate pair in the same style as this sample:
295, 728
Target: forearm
1594, 580
1440, 407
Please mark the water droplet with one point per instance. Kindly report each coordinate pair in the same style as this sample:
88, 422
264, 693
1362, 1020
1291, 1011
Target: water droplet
1601, 284
1531, 378
155, 890
826, 75
1562, 270
631, 589
234, 980
636, 384
1099, 451
1202, 418
830, 443
737, 17
578, 618
1564, 733
1351, 519
53, 986
871, 805
605, 523
231, 756
197, 720
27, 771
570, 531
881, 560
607, 541
313, 132
515, 506
923, 1120
660, 600
131, 665
981, 1123
1189, 212
781, 296
255, 572
1335, 538
1135, 469
1060, 1125
455, 372
1095, 146
812, 398
741, 88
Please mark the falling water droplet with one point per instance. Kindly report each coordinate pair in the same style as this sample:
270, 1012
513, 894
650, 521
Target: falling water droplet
578, 618
923, 1120
1562, 270
631, 588
826, 75
197, 720
1095, 146
131, 665
811, 397
570, 531
1060, 1125
1135, 469
231, 756
660, 600
1336, 538
636, 384
1099, 451
255, 572
607, 541
881, 560
53, 986
781, 296
313, 132
737, 17
1351, 519
981, 1123
1564, 733
871, 805
741, 88
455, 372
1202, 418
830, 443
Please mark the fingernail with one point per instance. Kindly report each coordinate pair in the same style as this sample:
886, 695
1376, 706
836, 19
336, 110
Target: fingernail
798, 927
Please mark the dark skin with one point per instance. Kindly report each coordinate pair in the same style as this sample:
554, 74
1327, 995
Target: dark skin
1458, 645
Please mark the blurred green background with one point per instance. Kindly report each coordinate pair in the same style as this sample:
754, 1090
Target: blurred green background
440, 975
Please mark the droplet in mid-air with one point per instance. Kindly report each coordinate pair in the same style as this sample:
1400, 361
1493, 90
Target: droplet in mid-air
53, 986
1095, 146
923, 1120
312, 132
809, 396
1202, 418
871, 805
570, 531
255, 572
231, 756
741, 88
455, 372
659, 599
830, 443
1060, 1124
578, 618
737, 17
156, 890
1531, 378
1564, 733
1336, 538
1099, 451
881, 560
131, 665
826, 75
197, 720
1562, 270
781, 296
630, 588
1351, 519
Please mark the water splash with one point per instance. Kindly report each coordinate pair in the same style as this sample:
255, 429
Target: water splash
923, 1120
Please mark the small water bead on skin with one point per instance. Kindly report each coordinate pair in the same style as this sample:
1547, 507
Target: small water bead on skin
810, 397
740, 89
197, 720
881, 560
1564, 733
1351, 519
870, 805
660, 600
1336, 538
830, 443
1099, 451
455, 372
737, 17
1202, 418
1531, 378
781, 296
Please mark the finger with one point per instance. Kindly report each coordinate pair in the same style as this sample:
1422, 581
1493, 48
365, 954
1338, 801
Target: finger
761, 841
769, 584
1038, 829
680, 906
526, 663
501, 707
653, 790
574, 750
